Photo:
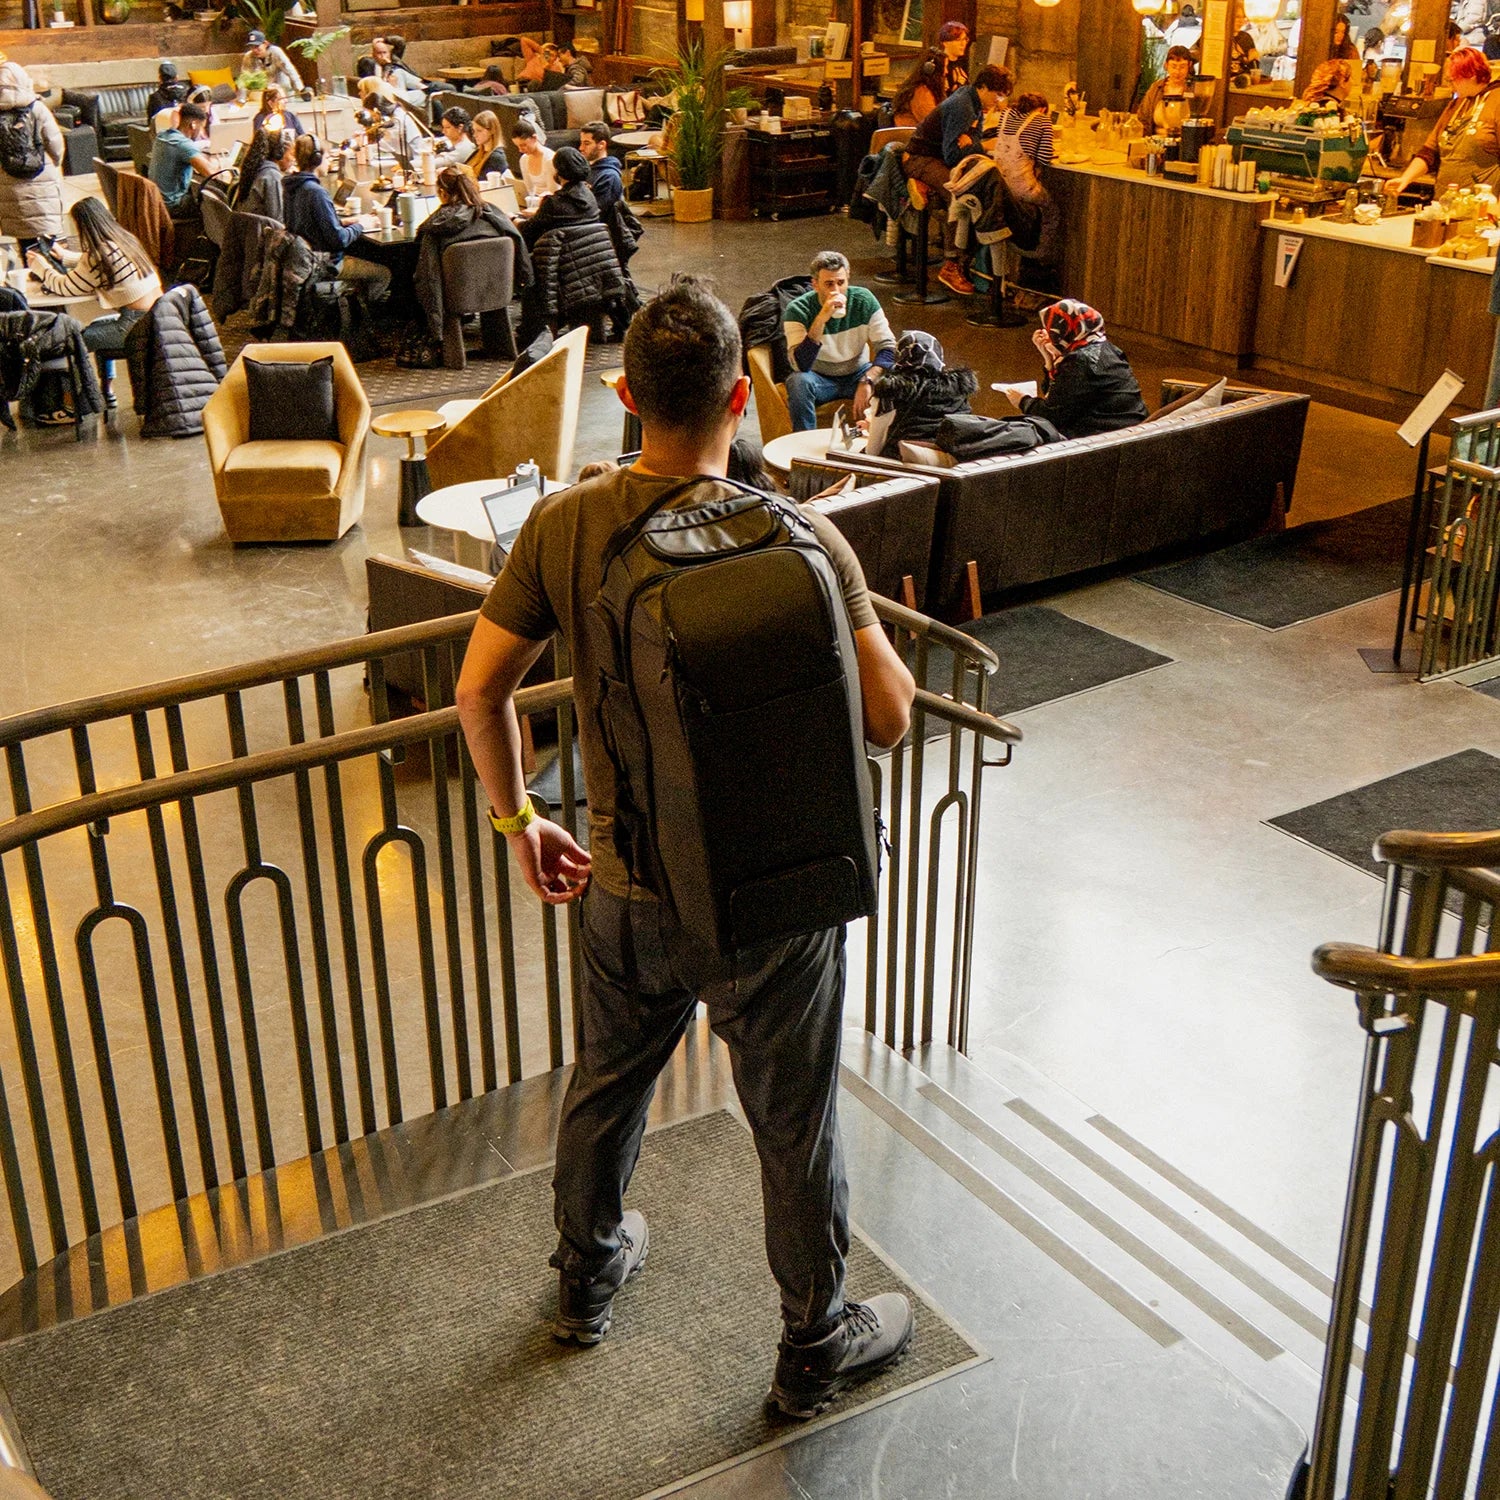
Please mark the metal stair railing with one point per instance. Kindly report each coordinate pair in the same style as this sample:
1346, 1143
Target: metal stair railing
1460, 622
248, 958
1421, 1231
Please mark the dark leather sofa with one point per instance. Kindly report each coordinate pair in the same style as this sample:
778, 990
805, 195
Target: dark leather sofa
550, 108
1069, 507
110, 111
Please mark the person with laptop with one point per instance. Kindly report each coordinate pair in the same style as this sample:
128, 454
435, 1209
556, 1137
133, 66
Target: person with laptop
310, 212
178, 155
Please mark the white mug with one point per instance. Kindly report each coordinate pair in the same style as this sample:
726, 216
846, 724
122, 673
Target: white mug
351, 203
386, 219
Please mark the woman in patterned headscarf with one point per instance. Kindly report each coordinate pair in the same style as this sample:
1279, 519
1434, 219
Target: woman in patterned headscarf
1087, 384
918, 391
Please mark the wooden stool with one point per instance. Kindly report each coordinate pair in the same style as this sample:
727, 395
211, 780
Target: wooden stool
415, 480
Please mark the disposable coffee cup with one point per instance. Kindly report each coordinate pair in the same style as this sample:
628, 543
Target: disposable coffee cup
532, 202
492, 181
387, 218
351, 203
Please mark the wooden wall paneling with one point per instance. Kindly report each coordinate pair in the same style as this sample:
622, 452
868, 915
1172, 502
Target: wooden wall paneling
1429, 23
1316, 39
1459, 330
1109, 55
763, 23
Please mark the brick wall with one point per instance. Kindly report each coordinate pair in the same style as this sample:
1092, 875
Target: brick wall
1044, 42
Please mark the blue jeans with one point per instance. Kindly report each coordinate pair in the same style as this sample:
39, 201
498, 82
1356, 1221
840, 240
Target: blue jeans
806, 390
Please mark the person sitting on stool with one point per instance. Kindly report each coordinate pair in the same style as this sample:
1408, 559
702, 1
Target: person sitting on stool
835, 334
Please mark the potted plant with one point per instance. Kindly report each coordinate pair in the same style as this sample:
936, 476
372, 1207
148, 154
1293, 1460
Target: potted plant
314, 46
252, 83
693, 140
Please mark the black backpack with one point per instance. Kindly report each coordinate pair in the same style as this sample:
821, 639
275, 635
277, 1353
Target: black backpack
21, 154
729, 704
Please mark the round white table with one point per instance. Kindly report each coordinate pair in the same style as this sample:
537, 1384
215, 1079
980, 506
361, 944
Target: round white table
459, 510
780, 452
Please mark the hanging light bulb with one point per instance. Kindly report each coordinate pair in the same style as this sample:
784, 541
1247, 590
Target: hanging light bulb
1149, 7
1048, 4
1261, 10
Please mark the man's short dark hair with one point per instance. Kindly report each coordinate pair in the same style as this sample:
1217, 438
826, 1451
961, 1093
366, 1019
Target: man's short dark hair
494, 74
456, 114
598, 129
566, 49
192, 114
309, 153
682, 358
993, 80
166, 70
829, 260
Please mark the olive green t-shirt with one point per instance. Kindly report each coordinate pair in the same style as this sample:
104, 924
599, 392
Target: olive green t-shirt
552, 576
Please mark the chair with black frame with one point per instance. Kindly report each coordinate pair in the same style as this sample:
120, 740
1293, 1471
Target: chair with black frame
108, 173
478, 277
42, 351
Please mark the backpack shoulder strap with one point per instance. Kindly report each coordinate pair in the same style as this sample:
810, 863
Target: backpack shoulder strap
628, 531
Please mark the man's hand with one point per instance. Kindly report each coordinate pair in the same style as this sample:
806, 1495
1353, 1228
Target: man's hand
859, 406
551, 862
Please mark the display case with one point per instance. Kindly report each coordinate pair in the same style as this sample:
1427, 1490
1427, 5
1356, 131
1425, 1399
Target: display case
791, 171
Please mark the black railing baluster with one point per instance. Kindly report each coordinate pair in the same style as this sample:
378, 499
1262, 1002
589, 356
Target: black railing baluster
448, 883
505, 923
208, 951
479, 937
312, 880
343, 884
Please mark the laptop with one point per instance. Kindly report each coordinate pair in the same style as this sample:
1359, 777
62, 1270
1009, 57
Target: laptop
506, 509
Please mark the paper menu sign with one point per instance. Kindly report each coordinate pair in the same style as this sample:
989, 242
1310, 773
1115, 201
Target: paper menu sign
1430, 408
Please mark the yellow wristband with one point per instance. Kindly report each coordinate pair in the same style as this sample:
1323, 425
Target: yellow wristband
516, 824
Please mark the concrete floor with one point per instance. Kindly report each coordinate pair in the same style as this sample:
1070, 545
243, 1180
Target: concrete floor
1143, 936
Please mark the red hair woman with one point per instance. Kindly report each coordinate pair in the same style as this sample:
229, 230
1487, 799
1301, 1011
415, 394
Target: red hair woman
1464, 147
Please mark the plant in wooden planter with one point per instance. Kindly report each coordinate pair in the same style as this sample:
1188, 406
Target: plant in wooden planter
694, 139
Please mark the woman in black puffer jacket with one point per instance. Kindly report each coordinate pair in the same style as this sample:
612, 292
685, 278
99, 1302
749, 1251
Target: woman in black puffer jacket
918, 392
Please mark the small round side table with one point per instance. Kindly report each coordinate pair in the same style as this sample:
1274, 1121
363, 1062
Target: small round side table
415, 480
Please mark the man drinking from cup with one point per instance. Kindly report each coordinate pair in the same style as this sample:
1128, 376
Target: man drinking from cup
836, 336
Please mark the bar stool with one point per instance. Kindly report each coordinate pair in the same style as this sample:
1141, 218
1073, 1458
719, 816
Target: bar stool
921, 290
994, 312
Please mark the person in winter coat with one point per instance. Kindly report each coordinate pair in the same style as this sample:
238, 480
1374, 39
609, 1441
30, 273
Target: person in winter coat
572, 203
310, 214
111, 265
917, 393
606, 176
463, 215
31, 207
1087, 384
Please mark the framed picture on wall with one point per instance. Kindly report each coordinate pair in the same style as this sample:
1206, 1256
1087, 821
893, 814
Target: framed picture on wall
897, 21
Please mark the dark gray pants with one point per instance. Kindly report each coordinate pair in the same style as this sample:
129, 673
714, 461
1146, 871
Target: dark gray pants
780, 1012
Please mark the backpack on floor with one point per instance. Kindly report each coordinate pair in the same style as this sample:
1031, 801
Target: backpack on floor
21, 154
729, 703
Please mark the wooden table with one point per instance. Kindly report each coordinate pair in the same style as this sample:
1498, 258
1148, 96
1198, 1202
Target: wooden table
415, 480
465, 74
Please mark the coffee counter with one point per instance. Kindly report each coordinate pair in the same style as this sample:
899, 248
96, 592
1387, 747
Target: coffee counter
1371, 316
1367, 320
1171, 259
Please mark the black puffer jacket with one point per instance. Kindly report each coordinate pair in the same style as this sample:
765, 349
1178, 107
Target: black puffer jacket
176, 364
920, 401
577, 273
1092, 390
762, 321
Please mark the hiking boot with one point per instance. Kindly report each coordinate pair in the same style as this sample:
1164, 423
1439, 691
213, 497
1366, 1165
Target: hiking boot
585, 1305
869, 1337
952, 276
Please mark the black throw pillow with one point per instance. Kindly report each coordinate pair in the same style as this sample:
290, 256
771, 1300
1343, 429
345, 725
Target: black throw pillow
291, 402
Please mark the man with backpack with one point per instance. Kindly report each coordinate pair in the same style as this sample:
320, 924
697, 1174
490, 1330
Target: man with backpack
731, 836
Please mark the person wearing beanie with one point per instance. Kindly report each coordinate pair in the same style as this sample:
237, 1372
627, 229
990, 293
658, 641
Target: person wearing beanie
572, 203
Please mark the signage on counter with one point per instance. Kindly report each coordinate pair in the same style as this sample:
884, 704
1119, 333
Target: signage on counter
838, 70
1430, 408
1288, 248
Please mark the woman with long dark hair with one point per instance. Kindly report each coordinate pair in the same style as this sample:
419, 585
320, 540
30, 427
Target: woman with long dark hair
112, 265
922, 91
269, 159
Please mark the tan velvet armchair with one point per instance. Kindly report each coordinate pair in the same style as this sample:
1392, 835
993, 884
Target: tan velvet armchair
532, 417
770, 398
288, 491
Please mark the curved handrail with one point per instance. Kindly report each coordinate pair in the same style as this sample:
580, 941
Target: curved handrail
307, 755
1438, 851
263, 673
1353, 966
934, 630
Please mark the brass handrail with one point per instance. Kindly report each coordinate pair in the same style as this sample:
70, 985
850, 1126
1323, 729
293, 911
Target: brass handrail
1353, 966
1438, 851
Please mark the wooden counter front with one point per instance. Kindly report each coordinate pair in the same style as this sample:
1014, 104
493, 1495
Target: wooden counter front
1174, 261
1377, 324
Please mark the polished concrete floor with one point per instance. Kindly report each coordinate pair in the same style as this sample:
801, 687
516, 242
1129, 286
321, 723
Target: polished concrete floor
1143, 936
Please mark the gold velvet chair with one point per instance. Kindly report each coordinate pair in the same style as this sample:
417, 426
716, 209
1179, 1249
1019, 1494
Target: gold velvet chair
770, 398
530, 417
288, 491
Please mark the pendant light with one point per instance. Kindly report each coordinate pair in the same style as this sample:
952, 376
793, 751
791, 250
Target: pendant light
1149, 7
1048, 4
1261, 10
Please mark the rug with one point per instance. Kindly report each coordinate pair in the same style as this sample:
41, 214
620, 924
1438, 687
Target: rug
412, 1357
1296, 575
1456, 794
1044, 655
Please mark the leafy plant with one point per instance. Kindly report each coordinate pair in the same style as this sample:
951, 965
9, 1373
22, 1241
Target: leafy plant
268, 16
695, 141
254, 80
314, 46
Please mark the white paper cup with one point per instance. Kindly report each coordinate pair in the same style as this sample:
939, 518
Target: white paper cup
387, 218
351, 203
492, 180
532, 202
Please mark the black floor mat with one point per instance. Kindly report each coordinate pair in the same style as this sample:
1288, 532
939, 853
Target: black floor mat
1457, 794
1045, 655
1296, 575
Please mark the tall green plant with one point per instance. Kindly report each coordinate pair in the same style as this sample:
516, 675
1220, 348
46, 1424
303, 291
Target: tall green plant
695, 141
268, 16
314, 46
